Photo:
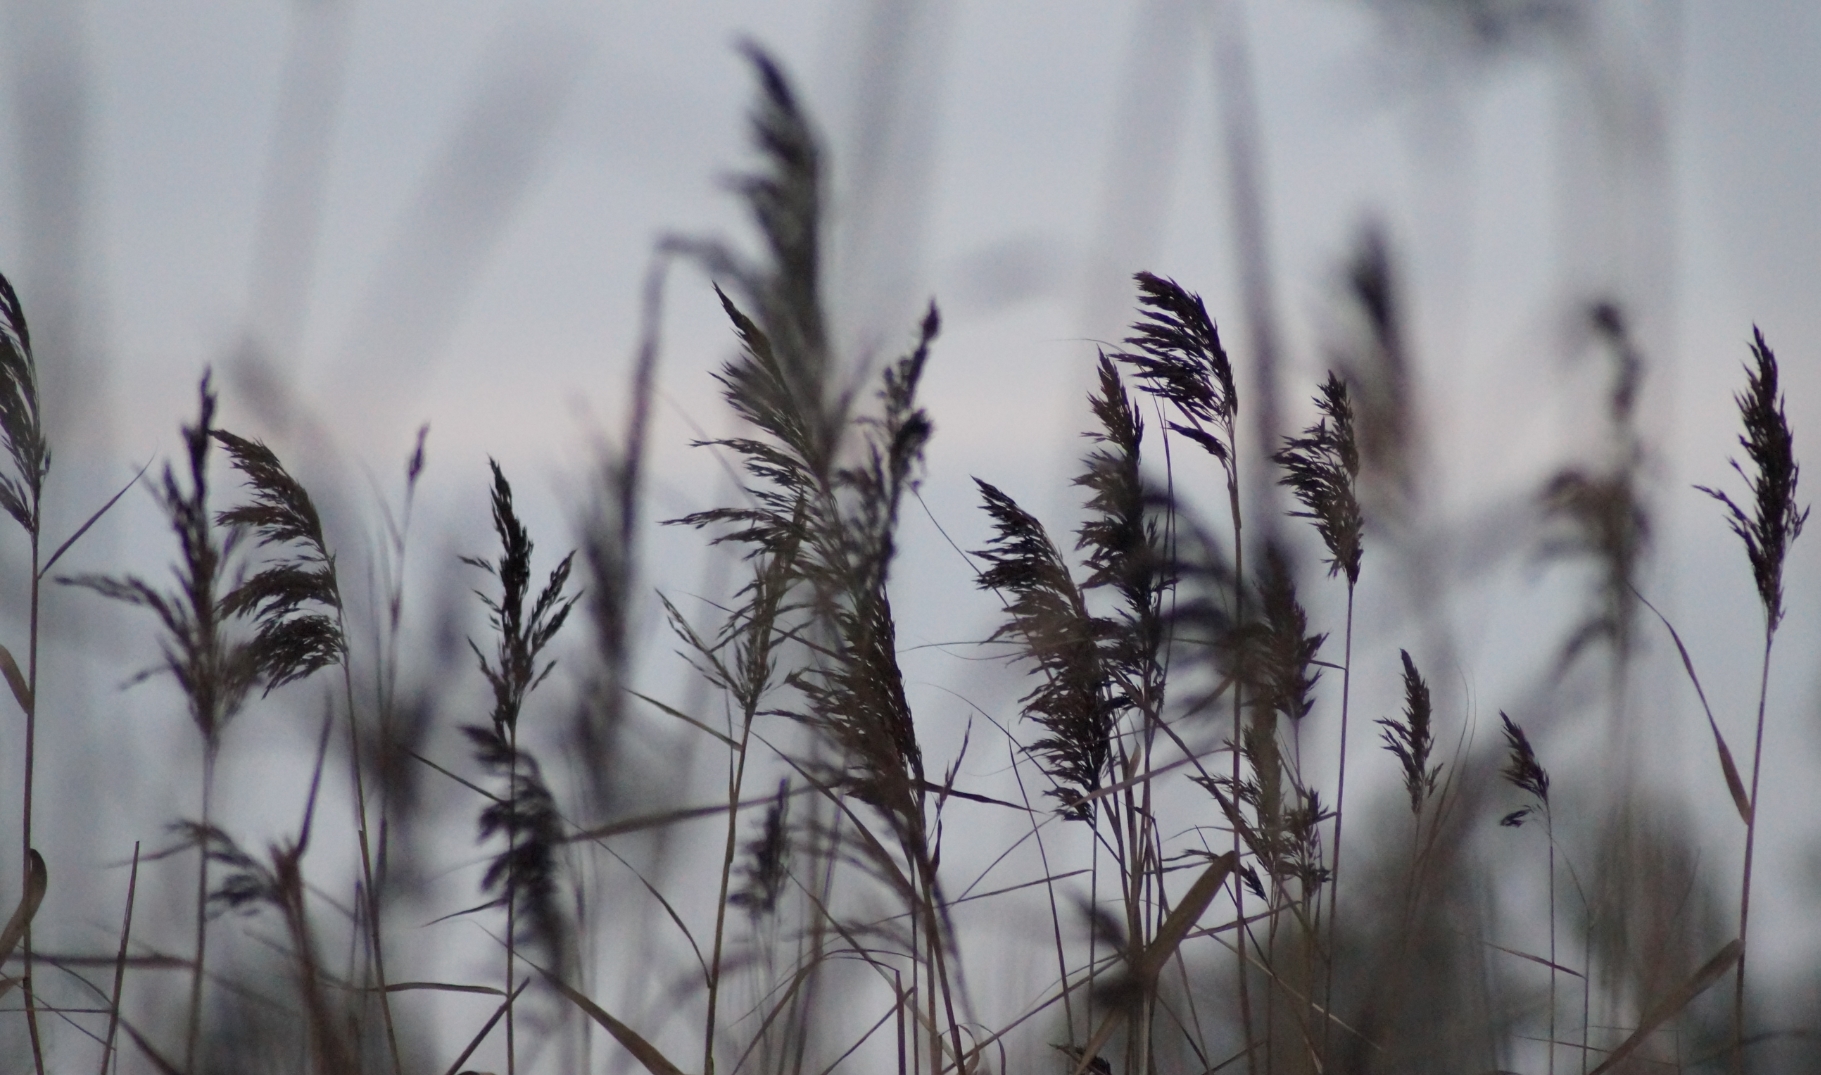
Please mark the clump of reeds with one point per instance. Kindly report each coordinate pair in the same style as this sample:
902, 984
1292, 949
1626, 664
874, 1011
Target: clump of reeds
1179, 359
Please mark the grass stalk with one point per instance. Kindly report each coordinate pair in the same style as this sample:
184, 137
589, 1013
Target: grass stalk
31, 754
1751, 833
126, 933
193, 1034
1340, 814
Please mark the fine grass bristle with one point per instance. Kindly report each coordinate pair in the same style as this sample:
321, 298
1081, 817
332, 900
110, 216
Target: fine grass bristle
214, 669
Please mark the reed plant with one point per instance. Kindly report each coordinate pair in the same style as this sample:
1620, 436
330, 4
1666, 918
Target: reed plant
1179, 748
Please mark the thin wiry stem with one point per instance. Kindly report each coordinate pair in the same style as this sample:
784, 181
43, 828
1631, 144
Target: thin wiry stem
22, 496
1767, 532
1340, 813
1751, 833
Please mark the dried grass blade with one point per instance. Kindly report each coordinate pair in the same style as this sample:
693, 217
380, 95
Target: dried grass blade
486, 1029
668, 817
145, 1047
1709, 973
864, 1038
686, 718
22, 692
642, 1051
445, 987
469, 784
126, 931
92, 520
1731, 771
35, 884
1091, 1051
1534, 959
1184, 916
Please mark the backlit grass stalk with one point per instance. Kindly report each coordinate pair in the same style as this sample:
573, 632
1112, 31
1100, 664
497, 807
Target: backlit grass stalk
214, 669
1322, 470
1525, 773
741, 662
1767, 531
22, 495
296, 601
526, 873
1411, 739
1179, 359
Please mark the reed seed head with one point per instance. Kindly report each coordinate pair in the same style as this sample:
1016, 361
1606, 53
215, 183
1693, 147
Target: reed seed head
1775, 519
19, 421
1179, 358
1411, 738
1522, 768
1321, 467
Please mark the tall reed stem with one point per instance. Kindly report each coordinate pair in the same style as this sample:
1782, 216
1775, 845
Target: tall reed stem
736, 781
1751, 832
31, 734
1239, 733
1340, 813
366, 855
511, 895
209, 750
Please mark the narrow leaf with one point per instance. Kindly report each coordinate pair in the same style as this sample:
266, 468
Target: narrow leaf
686, 718
92, 520
1534, 959
33, 895
487, 1028
1666, 1009
444, 987
163, 1065
22, 693
643, 1051
1731, 771
1184, 916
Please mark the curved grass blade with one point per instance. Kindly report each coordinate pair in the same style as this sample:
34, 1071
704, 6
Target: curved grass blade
487, 1028
35, 884
1711, 971
1731, 771
22, 692
643, 1051
92, 520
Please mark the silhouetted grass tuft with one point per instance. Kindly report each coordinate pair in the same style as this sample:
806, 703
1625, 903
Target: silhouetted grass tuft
1775, 520
1411, 739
